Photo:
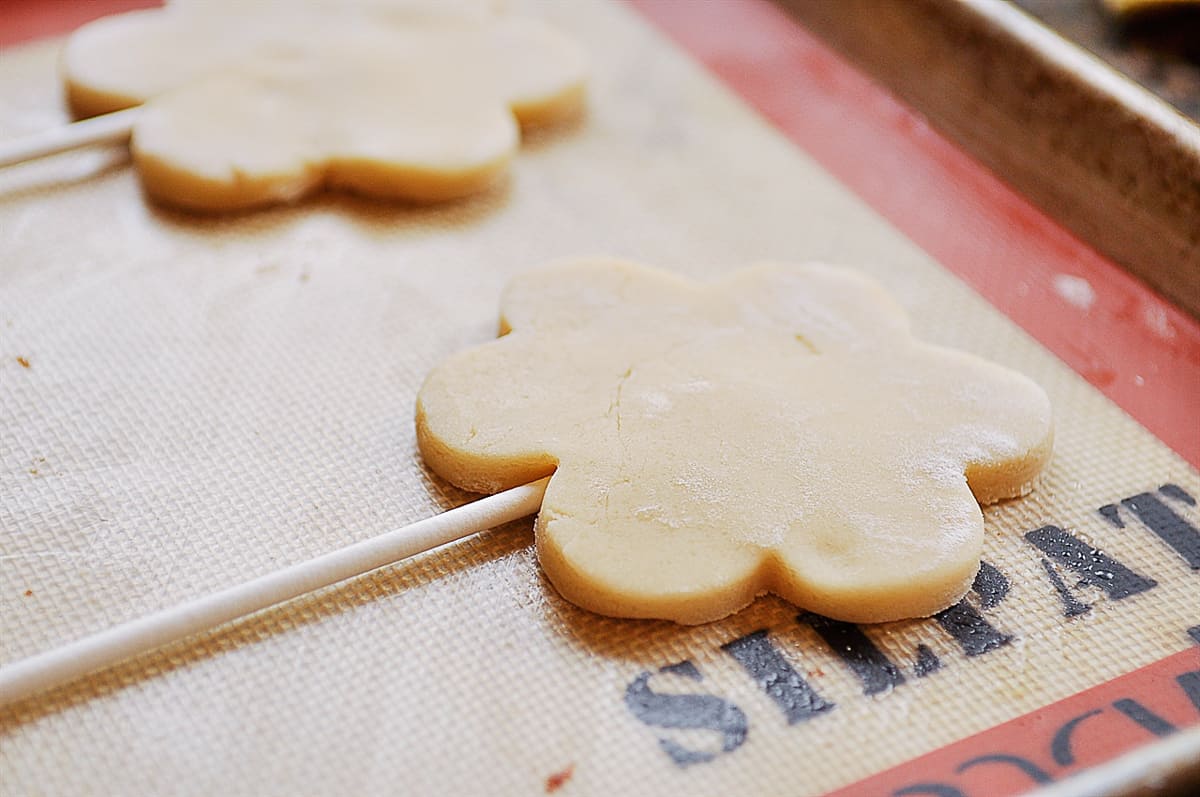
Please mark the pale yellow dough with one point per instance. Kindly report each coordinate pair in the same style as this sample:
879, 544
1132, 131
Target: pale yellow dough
777, 431
260, 109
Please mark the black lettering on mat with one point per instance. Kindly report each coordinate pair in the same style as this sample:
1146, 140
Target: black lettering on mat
693, 711
874, 670
1167, 525
1092, 566
974, 634
771, 671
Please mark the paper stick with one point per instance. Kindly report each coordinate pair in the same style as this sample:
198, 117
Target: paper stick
110, 128
40, 672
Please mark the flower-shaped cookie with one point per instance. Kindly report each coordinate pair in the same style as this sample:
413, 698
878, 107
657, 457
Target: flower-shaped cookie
777, 431
242, 111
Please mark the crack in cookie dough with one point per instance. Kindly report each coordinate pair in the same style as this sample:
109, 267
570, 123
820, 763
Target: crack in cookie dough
779, 431
245, 109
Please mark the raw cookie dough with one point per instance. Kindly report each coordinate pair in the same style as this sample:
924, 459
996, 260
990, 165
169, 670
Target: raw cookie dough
123, 60
269, 109
776, 431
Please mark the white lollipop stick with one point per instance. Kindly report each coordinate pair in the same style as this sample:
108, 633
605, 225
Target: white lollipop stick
111, 128
43, 671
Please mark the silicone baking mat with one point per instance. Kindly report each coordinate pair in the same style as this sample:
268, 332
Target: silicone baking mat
186, 403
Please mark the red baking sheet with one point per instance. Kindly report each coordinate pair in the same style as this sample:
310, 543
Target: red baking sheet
25, 20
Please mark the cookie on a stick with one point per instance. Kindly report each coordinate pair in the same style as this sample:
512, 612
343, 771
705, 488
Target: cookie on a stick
780, 431
236, 112
687, 447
